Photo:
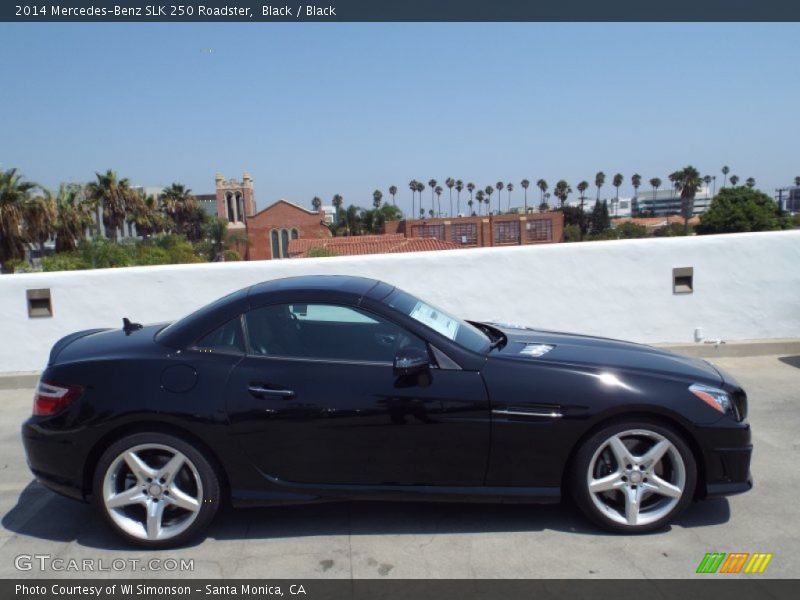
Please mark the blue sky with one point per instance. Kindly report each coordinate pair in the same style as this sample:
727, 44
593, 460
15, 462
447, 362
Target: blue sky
319, 109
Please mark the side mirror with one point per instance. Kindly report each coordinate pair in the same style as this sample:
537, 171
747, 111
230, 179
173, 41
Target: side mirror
410, 361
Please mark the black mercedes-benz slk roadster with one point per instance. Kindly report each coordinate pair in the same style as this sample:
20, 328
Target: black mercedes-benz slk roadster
333, 387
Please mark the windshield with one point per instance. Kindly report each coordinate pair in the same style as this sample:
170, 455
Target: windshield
458, 330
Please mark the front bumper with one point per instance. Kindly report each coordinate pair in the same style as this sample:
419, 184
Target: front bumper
727, 450
54, 459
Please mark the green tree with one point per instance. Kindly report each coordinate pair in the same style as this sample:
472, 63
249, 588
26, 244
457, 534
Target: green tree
377, 197
439, 191
420, 189
600, 219
470, 189
750, 182
316, 203
432, 184
525, 185
725, 170
797, 181
179, 206
734, 180
459, 189
14, 192
393, 193
509, 189
740, 209
630, 230
479, 195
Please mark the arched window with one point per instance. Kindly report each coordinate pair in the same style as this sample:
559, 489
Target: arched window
276, 245
240, 207
229, 204
295, 234
284, 243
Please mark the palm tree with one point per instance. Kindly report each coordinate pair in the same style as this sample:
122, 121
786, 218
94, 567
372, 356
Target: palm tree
470, 189
499, 196
432, 185
562, 191
469, 203
438, 192
509, 189
797, 181
616, 182
337, 205
392, 193
412, 185
542, 185
14, 192
450, 182
420, 188
599, 180
72, 218
377, 196
636, 181
38, 220
545, 205
725, 170
179, 204
687, 182
582, 187
459, 188
316, 203
734, 180
479, 197
112, 197
750, 182
656, 183
525, 184
489, 190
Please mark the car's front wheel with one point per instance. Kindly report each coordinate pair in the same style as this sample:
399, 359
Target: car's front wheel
633, 477
156, 489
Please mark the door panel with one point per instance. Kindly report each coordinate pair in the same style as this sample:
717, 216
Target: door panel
359, 424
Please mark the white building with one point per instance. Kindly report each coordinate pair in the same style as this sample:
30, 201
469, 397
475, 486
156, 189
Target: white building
668, 202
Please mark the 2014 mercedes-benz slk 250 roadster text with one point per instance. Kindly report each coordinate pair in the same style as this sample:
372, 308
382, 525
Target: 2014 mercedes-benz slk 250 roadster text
334, 387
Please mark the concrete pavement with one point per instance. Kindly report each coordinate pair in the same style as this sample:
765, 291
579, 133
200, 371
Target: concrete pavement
421, 540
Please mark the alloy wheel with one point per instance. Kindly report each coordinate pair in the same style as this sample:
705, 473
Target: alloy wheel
152, 492
636, 477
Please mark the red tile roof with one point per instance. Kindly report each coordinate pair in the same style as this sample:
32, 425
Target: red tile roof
368, 244
655, 222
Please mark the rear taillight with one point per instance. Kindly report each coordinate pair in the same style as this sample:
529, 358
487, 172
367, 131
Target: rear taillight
51, 398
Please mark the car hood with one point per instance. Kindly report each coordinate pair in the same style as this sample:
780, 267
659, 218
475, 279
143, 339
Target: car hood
569, 348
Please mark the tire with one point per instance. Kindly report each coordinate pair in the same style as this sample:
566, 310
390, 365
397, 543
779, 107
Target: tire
638, 486
156, 490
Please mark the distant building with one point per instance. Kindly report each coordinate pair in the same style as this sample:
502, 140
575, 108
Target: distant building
491, 230
792, 202
329, 213
668, 202
271, 230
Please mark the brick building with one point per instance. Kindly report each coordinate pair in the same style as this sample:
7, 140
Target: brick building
272, 229
491, 230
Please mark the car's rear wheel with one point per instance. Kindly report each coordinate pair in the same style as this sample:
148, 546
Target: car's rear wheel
156, 490
634, 477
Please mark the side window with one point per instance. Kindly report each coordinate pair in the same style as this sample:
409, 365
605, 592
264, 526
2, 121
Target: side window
227, 339
326, 332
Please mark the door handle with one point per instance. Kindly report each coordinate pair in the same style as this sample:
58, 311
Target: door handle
259, 390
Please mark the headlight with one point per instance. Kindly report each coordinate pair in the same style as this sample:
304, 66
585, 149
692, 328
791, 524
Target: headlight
716, 398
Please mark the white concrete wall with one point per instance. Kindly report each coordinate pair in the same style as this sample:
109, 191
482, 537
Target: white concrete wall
747, 286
